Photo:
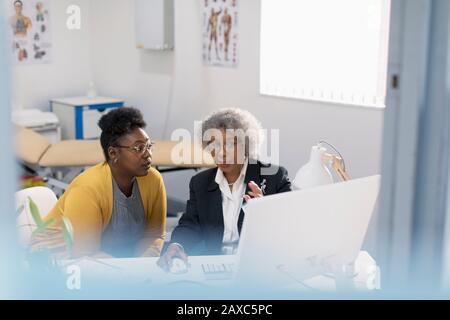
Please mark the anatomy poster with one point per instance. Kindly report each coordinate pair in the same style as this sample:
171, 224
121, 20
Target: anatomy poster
220, 32
29, 22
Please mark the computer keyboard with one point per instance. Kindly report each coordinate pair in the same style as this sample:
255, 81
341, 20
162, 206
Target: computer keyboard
218, 271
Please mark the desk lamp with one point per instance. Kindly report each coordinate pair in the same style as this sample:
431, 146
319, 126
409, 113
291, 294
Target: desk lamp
316, 171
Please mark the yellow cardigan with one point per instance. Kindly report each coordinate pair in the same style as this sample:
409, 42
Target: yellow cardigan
88, 204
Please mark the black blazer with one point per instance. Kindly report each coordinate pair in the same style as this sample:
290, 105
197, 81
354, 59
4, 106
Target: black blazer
200, 229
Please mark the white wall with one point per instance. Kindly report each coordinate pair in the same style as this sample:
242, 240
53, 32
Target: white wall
355, 131
143, 78
157, 82
69, 72
177, 85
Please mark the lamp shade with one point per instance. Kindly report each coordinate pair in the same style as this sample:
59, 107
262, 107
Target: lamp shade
314, 173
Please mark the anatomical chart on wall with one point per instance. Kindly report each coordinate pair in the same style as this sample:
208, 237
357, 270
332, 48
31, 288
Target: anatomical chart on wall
220, 32
29, 22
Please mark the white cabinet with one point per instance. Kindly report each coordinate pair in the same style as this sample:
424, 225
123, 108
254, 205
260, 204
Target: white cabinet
154, 24
79, 116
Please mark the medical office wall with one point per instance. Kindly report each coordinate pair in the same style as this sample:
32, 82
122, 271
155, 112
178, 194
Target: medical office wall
68, 71
175, 88
179, 87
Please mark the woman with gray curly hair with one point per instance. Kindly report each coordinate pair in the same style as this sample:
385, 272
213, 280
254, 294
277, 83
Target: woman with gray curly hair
240, 125
213, 219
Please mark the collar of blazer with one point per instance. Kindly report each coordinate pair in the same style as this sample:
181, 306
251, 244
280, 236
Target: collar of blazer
253, 174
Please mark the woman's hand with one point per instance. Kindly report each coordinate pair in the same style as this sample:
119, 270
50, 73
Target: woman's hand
255, 192
51, 239
173, 251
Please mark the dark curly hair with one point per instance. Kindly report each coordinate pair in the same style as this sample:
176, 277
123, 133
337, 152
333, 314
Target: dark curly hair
118, 123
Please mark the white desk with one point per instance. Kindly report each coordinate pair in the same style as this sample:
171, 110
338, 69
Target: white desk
145, 274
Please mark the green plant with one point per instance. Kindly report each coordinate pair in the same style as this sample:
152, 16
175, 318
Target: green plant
44, 226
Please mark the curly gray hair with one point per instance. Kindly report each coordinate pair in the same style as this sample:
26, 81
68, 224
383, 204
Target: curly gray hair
237, 119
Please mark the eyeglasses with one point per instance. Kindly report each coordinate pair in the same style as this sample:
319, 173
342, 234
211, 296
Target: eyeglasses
229, 145
139, 148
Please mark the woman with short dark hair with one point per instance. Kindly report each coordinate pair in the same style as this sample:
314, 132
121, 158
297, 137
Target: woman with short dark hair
118, 207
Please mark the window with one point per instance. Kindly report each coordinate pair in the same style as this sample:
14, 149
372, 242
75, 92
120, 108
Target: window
327, 50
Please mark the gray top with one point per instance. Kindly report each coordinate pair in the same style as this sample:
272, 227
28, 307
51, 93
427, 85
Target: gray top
127, 225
